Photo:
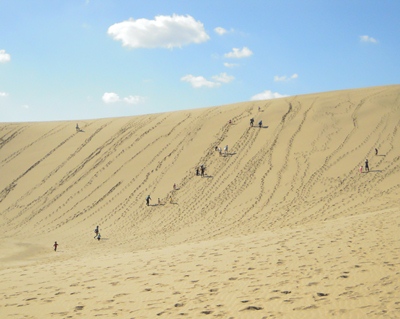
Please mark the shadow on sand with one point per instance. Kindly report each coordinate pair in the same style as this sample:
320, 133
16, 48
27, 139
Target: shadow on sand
372, 171
228, 154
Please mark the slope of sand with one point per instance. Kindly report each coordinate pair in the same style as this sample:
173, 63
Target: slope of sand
282, 226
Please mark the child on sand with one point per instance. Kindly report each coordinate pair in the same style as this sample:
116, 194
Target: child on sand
55, 246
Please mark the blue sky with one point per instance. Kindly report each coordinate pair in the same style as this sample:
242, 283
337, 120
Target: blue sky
88, 59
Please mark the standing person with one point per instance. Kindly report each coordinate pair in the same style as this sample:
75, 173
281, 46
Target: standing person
361, 168
197, 171
251, 121
260, 124
148, 198
55, 246
366, 165
96, 231
376, 151
98, 236
226, 150
202, 169
77, 128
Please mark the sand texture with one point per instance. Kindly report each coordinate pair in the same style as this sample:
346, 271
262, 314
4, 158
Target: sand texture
282, 225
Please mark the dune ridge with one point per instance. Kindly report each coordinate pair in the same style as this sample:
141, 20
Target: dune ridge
283, 225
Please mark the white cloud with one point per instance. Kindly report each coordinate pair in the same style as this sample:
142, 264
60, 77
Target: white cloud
3, 94
223, 78
111, 97
4, 57
230, 65
220, 30
163, 31
368, 39
239, 53
267, 95
200, 81
133, 99
285, 78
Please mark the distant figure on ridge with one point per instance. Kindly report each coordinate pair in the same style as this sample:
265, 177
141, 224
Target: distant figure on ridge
55, 246
148, 198
77, 128
366, 165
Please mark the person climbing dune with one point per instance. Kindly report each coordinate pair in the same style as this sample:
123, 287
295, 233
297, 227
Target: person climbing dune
96, 231
148, 198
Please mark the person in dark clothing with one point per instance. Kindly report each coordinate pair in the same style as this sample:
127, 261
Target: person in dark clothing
55, 246
260, 124
376, 151
148, 198
96, 231
366, 165
251, 121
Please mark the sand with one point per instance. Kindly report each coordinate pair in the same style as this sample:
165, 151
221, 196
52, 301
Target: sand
282, 226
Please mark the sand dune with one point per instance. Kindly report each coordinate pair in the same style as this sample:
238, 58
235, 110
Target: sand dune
283, 225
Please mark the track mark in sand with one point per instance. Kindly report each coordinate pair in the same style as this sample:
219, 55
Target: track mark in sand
250, 168
48, 176
20, 151
8, 137
211, 160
